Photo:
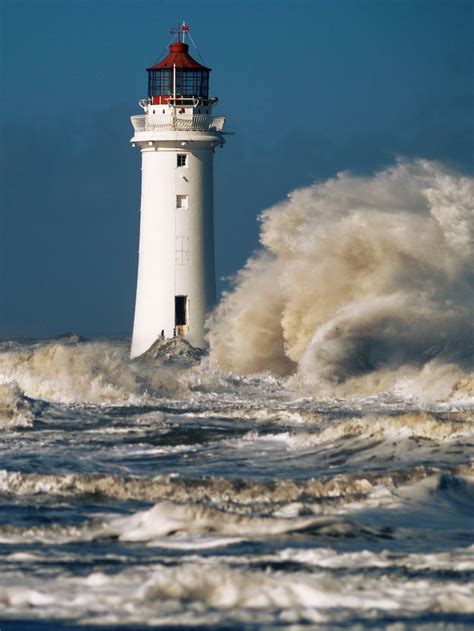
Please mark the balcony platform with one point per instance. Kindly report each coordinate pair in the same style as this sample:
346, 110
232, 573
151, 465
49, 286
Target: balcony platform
197, 122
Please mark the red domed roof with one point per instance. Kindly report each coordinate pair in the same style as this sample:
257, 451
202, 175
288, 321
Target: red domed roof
178, 55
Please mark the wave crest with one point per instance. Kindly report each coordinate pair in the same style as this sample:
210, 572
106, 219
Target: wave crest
76, 371
15, 409
362, 280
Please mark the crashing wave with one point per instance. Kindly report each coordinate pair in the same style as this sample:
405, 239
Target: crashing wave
15, 409
364, 285
70, 370
243, 496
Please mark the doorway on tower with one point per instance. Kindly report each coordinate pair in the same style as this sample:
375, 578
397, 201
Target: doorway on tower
181, 314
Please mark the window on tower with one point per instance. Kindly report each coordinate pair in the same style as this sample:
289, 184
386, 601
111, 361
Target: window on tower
182, 201
181, 162
181, 314
188, 82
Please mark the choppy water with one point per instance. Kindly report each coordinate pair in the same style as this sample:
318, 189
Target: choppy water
314, 469
166, 492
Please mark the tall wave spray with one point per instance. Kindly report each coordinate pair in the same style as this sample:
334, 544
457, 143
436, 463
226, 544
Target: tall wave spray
364, 284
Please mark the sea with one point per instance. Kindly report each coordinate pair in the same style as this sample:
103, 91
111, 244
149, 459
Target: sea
162, 492
312, 468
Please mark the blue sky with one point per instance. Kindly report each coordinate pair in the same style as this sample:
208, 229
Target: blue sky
309, 87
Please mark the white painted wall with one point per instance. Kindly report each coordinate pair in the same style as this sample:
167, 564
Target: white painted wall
194, 274
164, 271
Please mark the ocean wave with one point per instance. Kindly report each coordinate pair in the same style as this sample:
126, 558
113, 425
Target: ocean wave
168, 518
214, 592
191, 526
458, 560
100, 373
364, 285
217, 491
407, 425
438, 428
226, 588
73, 371
16, 410
241, 496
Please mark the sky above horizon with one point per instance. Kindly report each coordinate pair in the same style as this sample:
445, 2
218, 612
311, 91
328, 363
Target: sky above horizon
309, 87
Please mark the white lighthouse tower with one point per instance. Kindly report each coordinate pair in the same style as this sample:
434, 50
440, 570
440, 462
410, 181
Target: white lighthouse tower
177, 135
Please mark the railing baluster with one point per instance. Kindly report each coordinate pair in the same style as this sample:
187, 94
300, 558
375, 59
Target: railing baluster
159, 122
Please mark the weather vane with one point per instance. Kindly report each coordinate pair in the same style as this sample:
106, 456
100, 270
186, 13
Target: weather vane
181, 31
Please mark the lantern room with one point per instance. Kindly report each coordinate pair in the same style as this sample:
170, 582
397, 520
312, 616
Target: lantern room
178, 78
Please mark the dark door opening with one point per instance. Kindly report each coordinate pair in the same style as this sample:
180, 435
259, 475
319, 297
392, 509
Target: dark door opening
180, 314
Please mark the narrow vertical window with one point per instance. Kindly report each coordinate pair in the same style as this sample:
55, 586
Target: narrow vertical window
181, 160
180, 314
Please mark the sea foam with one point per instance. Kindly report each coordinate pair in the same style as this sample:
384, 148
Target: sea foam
364, 284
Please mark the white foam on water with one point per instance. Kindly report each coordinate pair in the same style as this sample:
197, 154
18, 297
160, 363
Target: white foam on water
73, 372
364, 285
167, 518
238, 498
213, 586
457, 560
18, 597
419, 424
224, 588
15, 410
325, 508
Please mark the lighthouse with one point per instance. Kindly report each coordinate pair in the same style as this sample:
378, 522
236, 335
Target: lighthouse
177, 135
